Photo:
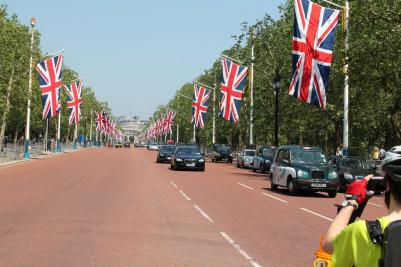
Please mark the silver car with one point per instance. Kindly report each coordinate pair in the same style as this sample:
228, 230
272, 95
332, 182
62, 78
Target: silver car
245, 158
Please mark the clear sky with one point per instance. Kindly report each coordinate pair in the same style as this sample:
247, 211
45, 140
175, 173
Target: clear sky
134, 53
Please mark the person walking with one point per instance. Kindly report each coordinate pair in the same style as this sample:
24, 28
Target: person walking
382, 153
375, 153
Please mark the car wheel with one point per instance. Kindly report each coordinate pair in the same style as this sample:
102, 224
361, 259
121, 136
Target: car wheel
332, 193
212, 159
158, 160
203, 169
273, 186
263, 169
291, 187
238, 165
254, 170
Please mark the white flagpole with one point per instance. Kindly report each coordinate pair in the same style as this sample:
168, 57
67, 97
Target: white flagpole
58, 142
214, 115
75, 135
346, 79
194, 133
90, 132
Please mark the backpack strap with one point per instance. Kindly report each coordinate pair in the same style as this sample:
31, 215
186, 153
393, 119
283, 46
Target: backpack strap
375, 232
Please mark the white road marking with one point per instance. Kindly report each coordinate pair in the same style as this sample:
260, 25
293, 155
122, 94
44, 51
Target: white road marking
374, 204
317, 214
173, 184
246, 186
184, 195
240, 250
203, 213
276, 198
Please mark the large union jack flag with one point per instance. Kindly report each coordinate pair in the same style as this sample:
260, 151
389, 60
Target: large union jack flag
74, 101
99, 121
49, 76
169, 122
199, 105
232, 87
312, 48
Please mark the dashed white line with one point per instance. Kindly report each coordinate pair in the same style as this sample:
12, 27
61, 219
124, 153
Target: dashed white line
173, 184
374, 204
240, 250
246, 186
207, 217
317, 214
184, 195
276, 198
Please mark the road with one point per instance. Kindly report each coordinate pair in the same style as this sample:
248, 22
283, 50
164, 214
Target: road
117, 207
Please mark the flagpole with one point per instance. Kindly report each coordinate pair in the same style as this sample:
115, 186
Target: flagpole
75, 135
194, 133
178, 126
90, 132
46, 133
58, 144
28, 111
253, 31
214, 115
346, 80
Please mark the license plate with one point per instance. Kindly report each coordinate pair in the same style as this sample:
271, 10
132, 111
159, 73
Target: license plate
191, 165
319, 185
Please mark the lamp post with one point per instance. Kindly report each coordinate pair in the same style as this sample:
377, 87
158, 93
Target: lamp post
28, 112
253, 32
276, 84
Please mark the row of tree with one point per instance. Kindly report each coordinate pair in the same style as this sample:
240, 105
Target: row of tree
375, 84
15, 52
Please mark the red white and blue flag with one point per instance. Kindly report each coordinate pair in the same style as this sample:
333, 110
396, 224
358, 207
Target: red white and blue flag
312, 48
49, 76
74, 101
99, 121
199, 105
169, 122
232, 87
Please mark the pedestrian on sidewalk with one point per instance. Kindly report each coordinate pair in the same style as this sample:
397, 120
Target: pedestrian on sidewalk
382, 153
375, 153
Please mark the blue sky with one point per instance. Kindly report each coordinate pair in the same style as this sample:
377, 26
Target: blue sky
136, 54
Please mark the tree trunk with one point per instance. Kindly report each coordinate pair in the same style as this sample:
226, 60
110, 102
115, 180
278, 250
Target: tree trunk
6, 109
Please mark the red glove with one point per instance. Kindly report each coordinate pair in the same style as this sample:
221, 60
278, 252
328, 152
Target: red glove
357, 191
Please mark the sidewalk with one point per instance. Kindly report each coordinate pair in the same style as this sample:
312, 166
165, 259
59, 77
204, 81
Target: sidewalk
44, 154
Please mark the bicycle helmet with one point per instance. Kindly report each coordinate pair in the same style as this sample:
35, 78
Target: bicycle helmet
391, 165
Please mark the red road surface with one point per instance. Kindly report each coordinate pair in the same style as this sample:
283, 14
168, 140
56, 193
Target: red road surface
117, 207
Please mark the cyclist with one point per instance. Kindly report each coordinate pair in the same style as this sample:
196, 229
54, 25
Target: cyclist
351, 245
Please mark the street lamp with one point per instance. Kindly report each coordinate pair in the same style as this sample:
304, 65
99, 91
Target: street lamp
28, 112
276, 85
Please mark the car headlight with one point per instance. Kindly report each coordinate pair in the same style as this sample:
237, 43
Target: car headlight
333, 175
348, 176
201, 160
302, 174
231, 154
161, 155
267, 161
178, 159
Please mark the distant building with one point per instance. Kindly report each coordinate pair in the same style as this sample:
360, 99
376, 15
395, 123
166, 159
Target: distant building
131, 126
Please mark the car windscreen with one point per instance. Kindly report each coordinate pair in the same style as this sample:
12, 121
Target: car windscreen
222, 148
268, 152
355, 164
249, 153
188, 151
305, 156
167, 149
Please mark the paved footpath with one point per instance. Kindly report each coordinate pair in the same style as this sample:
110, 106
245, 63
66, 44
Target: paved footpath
117, 207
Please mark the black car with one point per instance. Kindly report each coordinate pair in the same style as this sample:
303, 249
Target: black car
352, 168
263, 158
221, 152
187, 157
164, 154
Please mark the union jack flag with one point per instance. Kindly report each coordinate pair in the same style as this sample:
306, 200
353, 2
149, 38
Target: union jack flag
199, 105
74, 101
99, 121
232, 86
312, 48
169, 122
49, 76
